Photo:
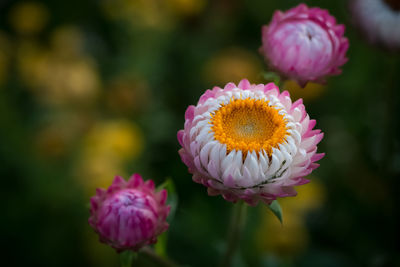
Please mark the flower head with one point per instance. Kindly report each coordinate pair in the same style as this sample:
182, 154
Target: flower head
249, 142
304, 44
380, 20
129, 214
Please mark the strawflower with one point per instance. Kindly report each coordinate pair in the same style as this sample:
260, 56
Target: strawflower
129, 214
379, 19
304, 44
249, 142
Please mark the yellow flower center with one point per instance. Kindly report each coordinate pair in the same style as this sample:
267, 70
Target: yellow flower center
248, 125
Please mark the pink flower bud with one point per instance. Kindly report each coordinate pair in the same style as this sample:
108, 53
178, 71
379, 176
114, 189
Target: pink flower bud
304, 44
129, 214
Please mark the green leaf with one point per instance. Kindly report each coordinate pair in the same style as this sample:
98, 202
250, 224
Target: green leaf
161, 246
271, 77
172, 198
276, 210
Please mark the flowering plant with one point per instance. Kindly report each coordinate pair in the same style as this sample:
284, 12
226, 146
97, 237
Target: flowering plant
129, 214
304, 44
249, 142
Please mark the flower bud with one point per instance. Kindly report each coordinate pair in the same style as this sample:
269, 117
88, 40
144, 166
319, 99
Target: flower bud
304, 44
129, 214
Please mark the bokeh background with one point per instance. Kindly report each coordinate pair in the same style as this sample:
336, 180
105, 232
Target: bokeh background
91, 89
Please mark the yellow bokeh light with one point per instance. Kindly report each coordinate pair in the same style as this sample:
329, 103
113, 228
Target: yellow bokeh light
120, 139
232, 65
187, 7
58, 80
311, 92
29, 17
291, 237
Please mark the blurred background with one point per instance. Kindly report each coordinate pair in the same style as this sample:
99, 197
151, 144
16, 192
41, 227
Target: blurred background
91, 89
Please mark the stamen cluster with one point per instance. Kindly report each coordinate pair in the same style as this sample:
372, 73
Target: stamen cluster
248, 125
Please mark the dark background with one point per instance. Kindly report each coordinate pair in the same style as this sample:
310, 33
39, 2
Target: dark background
91, 89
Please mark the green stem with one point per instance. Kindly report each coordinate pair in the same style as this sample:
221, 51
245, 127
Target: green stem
127, 257
235, 230
149, 253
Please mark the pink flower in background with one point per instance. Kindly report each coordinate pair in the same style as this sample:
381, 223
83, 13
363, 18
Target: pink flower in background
129, 214
304, 44
249, 142
379, 19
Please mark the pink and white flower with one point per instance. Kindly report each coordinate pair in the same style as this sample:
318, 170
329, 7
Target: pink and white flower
129, 214
304, 44
249, 142
380, 20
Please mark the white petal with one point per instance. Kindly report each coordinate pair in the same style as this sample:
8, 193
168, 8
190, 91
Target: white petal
296, 113
205, 153
274, 165
300, 156
308, 142
246, 179
251, 164
214, 157
263, 161
228, 160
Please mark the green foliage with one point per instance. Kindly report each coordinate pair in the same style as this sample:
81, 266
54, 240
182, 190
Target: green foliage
272, 77
127, 258
161, 246
276, 210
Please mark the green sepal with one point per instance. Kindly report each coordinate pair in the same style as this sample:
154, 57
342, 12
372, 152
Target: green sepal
276, 210
127, 257
161, 246
172, 200
272, 77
